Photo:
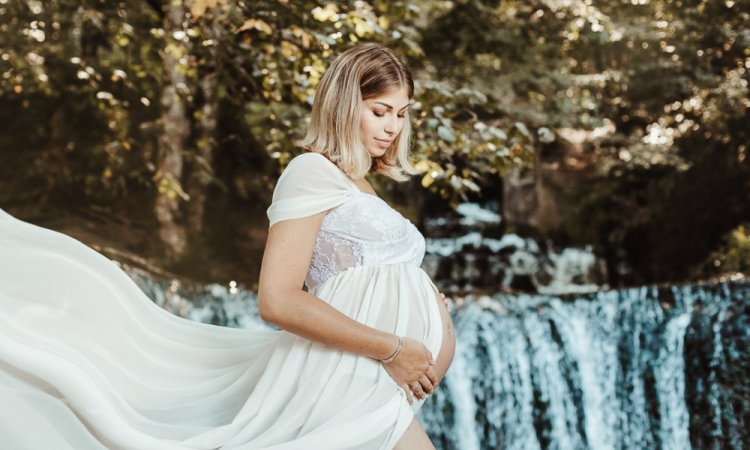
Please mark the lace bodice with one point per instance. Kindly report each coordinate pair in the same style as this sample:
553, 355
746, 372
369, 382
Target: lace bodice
360, 229
364, 230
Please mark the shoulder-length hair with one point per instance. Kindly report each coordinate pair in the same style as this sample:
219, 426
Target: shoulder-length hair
362, 72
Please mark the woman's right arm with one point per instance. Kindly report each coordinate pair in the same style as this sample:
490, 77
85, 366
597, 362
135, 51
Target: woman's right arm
282, 301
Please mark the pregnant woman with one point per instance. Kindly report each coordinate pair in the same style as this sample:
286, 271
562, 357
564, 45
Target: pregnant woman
88, 361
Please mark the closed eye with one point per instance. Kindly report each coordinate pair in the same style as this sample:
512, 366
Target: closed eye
382, 114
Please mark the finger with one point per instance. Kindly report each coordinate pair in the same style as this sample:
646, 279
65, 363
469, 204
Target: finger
407, 390
426, 384
432, 360
429, 356
432, 375
417, 390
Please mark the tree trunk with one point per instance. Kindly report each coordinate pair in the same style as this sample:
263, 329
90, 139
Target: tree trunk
176, 129
520, 194
202, 171
202, 168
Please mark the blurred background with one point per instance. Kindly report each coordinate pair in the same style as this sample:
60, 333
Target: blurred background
584, 186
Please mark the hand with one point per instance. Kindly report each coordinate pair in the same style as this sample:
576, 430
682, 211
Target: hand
445, 301
413, 369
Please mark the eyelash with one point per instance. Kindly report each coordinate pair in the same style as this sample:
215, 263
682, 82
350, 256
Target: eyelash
382, 114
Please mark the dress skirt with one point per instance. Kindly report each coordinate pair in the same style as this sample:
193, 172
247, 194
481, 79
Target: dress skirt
88, 361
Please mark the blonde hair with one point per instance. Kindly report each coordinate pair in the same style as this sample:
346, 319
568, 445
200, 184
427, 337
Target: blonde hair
362, 72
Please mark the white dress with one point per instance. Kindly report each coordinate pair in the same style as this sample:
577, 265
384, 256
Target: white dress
88, 361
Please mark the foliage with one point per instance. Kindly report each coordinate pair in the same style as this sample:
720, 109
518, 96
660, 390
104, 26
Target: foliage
658, 89
734, 254
84, 83
268, 58
654, 96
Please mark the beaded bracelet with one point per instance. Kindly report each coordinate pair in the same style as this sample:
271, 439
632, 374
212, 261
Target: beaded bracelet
395, 354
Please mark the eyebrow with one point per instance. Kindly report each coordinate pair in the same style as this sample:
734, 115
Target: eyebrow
391, 107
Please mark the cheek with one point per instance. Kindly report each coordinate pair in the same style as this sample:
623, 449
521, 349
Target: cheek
369, 125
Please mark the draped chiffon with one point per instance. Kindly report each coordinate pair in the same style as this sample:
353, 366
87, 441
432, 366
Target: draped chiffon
88, 361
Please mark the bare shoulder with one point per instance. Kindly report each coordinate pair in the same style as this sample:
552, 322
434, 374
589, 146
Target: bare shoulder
299, 233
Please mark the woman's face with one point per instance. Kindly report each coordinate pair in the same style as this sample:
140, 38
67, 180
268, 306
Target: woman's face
382, 120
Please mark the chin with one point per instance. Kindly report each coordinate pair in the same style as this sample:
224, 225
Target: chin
377, 152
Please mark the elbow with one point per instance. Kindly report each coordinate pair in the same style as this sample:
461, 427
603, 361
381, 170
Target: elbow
277, 301
264, 308
268, 308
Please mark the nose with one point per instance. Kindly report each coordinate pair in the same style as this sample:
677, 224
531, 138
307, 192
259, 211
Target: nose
390, 125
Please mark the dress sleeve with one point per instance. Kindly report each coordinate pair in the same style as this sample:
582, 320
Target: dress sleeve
308, 185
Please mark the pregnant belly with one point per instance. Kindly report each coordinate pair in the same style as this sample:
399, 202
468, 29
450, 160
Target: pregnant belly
397, 298
448, 344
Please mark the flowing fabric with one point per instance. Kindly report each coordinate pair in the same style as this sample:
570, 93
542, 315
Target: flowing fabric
88, 361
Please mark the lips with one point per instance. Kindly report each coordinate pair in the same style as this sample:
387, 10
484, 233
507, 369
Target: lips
383, 141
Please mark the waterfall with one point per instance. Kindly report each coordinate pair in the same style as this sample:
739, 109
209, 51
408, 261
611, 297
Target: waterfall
468, 250
637, 368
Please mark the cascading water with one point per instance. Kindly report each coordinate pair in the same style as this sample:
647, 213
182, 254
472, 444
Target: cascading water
569, 367
467, 250
601, 372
